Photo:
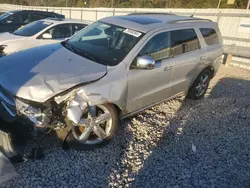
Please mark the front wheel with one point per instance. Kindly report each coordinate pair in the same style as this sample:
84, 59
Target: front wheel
200, 85
95, 129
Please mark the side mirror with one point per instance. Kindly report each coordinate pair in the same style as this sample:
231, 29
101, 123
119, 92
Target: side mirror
144, 62
9, 21
47, 36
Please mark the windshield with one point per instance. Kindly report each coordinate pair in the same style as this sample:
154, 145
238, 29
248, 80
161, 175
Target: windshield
5, 15
104, 43
32, 28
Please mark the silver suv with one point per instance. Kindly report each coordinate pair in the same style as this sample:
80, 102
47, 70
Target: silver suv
112, 69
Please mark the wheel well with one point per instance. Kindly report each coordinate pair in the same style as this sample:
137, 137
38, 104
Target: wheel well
211, 69
118, 109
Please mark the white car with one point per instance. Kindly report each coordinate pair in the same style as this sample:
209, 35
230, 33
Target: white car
39, 33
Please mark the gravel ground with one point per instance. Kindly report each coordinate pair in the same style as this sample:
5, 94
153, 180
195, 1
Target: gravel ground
180, 143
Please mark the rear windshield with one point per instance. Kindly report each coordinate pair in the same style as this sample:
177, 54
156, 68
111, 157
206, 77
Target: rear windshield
210, 36
32, 28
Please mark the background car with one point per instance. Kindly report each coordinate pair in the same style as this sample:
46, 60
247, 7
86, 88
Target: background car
38, 33
10, 21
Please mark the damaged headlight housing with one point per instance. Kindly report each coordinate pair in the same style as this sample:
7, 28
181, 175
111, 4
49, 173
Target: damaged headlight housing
35, 115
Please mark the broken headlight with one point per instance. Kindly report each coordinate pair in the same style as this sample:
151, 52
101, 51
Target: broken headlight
36, 115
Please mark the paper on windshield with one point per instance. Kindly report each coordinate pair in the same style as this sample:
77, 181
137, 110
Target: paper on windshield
132, 32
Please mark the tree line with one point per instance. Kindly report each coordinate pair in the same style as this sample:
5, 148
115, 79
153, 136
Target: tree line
131, 3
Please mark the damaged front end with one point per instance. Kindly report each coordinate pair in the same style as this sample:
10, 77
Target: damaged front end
46, 115
78, 111
59, 112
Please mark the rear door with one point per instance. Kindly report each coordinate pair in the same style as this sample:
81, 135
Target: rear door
188, 56
214, 48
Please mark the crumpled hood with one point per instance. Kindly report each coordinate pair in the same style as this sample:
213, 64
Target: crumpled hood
8, 37
40, 73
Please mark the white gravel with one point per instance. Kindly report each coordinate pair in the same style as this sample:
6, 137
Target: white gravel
180, 143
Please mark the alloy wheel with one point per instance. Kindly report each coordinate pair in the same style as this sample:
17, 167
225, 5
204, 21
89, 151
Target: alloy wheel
202, 85
95, 128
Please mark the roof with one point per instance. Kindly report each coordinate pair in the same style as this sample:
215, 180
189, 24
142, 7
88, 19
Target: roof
146, 22
36, 11
59, 20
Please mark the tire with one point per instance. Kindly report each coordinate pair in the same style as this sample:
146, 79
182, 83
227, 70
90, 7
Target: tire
73, 143
193, 91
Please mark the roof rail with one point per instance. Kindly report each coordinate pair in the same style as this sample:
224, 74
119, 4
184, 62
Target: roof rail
55, 19
154, 13
190, 20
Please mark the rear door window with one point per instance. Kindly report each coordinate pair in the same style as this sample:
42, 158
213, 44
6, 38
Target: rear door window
183, 41
210, 36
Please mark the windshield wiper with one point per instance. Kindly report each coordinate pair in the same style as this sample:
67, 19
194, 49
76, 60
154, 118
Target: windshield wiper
66, 45
85, 54
79, 51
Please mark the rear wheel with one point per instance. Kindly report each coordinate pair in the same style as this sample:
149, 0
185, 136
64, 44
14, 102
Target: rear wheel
95, 129
199, 87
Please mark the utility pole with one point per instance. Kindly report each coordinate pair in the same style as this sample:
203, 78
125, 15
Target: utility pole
248, 4
217, 8
112, 3
219, 4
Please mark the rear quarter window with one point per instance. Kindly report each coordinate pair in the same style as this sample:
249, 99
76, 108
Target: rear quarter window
210, 35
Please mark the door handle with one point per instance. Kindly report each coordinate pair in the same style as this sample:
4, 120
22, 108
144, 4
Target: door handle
168, 68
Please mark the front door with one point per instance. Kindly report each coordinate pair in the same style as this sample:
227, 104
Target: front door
58, 33
146, 87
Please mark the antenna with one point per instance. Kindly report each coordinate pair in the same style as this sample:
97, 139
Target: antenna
192, 15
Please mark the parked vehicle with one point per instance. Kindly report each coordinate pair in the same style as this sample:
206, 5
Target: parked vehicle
39, 33
10, 21
110, 70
